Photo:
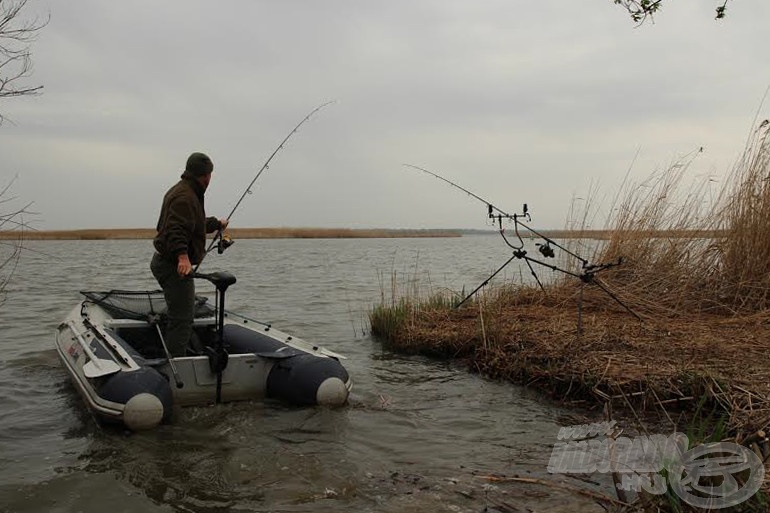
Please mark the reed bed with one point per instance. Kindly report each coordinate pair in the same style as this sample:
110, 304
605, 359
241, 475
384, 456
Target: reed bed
715, 290
696, 272
727, 273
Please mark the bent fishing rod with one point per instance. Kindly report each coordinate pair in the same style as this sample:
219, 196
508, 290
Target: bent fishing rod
219, 239
588, 274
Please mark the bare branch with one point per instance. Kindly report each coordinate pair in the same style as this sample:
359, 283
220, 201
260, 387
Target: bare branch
13, 221
643, 10
640, 10
12, 218
17, 33
9, 184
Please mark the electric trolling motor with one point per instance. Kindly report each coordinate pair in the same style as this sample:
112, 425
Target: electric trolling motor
218, 356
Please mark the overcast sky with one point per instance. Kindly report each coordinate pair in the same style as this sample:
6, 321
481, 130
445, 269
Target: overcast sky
517, 101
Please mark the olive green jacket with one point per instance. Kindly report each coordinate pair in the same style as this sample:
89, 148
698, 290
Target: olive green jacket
183, 225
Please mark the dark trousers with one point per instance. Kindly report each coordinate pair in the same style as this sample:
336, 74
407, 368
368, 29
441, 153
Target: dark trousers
180, 301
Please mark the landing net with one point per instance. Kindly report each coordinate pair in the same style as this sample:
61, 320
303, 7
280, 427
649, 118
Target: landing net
140, 305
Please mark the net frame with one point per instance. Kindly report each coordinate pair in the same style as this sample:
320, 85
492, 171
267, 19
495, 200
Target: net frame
140, 304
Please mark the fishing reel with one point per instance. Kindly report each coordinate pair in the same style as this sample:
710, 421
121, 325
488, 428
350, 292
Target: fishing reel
222, 243
545, 249
225, 241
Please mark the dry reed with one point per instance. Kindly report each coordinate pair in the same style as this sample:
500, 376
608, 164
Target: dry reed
696, 269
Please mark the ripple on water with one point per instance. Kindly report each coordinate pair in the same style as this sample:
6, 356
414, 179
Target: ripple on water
414, 438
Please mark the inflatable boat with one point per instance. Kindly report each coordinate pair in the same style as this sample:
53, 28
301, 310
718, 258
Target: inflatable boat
112, 345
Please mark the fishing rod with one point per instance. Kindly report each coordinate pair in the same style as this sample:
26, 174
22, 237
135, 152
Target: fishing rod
501, 214
223, 242
588, 270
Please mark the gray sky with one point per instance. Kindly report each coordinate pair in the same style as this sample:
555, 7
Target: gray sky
517, 101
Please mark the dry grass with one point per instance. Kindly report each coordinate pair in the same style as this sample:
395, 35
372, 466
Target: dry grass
728, 273
658, 364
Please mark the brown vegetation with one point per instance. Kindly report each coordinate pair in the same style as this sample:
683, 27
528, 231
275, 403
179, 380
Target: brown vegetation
525, 336
712, 293
702, 336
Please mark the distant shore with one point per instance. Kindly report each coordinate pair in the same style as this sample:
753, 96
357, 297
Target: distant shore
316, 233
236, 233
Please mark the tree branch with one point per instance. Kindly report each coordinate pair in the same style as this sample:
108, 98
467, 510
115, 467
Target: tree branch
16, 35
642, 10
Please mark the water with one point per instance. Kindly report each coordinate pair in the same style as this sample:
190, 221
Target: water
416, 436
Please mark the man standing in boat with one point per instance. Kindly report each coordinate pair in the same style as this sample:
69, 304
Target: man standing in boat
180, 244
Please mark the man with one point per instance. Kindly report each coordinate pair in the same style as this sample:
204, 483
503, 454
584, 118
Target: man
181, 244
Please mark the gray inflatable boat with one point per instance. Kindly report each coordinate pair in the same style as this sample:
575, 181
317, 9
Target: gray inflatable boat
113, 347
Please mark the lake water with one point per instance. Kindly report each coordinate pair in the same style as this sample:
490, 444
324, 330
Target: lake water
416, 435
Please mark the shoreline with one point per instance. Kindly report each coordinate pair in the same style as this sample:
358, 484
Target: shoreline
235, 233
664, 365
333, 233
704, 375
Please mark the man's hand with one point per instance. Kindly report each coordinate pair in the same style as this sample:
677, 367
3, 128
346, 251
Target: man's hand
224, 223
183, 266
